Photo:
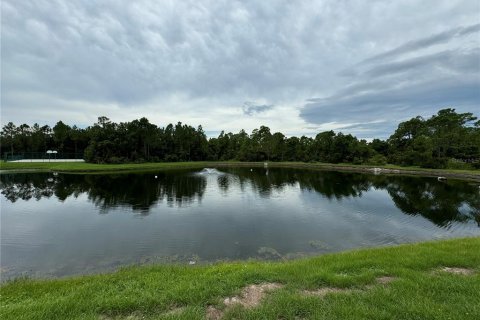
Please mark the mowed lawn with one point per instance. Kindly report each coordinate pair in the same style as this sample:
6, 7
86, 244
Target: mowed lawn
433, 280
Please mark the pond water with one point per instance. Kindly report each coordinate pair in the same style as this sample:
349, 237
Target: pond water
65, 224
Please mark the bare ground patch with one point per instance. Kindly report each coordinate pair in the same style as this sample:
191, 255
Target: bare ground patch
457, 270
174, 311
250, 297
137, 315
214, 313
133, 316
322, 292
385, 279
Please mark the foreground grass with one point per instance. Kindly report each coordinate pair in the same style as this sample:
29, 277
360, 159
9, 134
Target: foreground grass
420, 290
92, 167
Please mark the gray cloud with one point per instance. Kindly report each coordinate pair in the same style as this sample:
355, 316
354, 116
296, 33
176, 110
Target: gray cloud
436, 39
397, 85
457, 61
132, 53
395, 104
370, 105
249, 108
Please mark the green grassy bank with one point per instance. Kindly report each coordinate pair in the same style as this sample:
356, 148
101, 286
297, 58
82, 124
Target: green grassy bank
92, 167
337, 286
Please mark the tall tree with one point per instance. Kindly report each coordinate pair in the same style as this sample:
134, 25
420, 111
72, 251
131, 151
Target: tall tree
61, 132
9, 133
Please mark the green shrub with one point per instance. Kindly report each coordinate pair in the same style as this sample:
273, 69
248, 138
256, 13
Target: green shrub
117, 160
459, 165
378, 159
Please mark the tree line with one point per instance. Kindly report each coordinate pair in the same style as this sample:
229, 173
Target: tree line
445, 140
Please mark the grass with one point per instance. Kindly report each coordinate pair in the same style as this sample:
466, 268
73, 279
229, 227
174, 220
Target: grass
92, 167
420, 290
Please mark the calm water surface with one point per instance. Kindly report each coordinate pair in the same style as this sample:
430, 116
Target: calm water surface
64, 224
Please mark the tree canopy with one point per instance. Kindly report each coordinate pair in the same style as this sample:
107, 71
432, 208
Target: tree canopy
447, 139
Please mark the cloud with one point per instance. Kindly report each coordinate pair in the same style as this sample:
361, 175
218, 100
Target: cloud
401, 83
453, 61
249, 108
409, 97
423, 43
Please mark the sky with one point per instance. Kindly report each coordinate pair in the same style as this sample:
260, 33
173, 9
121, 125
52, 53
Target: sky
299, 67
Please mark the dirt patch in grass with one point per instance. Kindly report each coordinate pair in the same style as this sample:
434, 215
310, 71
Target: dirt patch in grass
385, 279
322, 292
137, 315
250, 297
133, 316
457, 270
174, 311
214, 313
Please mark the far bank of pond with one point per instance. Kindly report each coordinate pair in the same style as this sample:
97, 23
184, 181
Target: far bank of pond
95, 168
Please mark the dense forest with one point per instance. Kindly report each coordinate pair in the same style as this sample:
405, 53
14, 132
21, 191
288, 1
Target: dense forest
445, 140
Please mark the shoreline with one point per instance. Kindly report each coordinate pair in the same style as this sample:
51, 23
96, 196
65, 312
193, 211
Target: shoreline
89, 168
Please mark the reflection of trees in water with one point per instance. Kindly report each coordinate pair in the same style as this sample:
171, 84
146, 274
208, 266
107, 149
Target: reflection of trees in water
143, 191
138, 191
26, 186
330, 184
441, 203
223, 182
257, 180
337, 185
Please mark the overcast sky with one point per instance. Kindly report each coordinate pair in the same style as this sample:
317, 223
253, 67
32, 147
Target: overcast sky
299, 67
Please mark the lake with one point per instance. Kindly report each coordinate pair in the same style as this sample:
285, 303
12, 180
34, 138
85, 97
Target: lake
64, 224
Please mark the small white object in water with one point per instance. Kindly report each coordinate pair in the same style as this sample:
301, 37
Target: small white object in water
251, 169
156, 177
441, 178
